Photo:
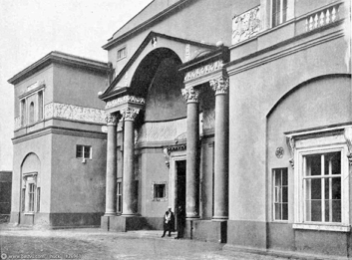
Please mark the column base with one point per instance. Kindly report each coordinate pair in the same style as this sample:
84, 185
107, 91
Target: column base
220, 218
207, 230
123, 223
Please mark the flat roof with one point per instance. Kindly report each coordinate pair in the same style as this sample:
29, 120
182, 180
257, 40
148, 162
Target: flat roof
62, 58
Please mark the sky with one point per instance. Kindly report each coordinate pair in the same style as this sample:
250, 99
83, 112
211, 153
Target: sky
30, 29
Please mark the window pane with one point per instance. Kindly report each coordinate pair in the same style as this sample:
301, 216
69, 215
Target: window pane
284, 177
159, 190
316, 189
313, 165
79, 151
87, 152
285, 211
313, 200
336, 188
284, 10
316, 210
277, 177
336, 210
38, 199
278, 211
327, 210
336, 163
40, 105
284, 194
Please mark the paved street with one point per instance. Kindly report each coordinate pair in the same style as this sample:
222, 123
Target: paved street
97, 244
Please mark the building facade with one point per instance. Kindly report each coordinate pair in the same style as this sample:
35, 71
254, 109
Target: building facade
238, 111
59, 147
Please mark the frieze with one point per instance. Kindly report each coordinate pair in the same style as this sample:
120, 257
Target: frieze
71, 112
207, 69
125, 100
246, 25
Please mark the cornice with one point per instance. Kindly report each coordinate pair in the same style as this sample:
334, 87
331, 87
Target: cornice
60, 58
156, 18
58, 130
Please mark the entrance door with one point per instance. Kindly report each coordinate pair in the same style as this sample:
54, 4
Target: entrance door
180, 184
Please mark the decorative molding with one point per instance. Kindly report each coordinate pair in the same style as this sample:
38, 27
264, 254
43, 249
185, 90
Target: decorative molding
204, 70
71, 112
291, 147
125, 100
111, 119
191, 94
246, 25
220, 85
348, 138
130, 113
279, 152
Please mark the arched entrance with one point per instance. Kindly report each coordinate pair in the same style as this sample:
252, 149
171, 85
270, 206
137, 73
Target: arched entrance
30, 189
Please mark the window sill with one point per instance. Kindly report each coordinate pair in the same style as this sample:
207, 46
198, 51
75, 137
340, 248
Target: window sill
322, 227
29, 213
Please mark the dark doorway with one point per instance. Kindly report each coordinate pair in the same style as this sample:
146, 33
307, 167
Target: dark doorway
181, 184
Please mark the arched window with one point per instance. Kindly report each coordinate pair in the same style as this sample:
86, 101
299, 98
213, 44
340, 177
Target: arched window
31, 113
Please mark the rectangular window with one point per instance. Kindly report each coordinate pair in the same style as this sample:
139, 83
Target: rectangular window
23, 112
322, 187
279, 12
119, 196
23, 200
159, 191
38, 199
121, 53
31, 197
83, 151
280, 194
40, 105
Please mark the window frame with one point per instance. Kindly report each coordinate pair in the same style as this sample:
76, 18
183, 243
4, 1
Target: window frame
164, 198
282, 170
84, 147
282, 18
119, 52
311, 146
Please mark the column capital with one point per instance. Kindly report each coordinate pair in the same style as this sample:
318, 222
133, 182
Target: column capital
220, 85
111, 119
191, 94
130, 113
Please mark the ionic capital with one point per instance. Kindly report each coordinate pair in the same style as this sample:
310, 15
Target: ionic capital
111, 119
220, 85
130, 113
190, 94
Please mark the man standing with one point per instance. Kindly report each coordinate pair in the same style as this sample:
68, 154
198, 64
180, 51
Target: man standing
172, 222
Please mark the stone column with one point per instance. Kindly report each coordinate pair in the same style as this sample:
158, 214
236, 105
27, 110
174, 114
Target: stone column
220, 86
192, 168
129, 194
111, 173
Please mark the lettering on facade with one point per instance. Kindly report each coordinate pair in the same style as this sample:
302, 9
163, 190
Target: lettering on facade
246, 25
207, 69
176, 148
125, 100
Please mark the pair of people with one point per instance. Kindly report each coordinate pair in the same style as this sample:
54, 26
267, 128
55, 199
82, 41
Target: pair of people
169, 222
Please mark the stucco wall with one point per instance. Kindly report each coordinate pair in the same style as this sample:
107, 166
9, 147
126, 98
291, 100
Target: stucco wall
78, 87
77, 187
41, 146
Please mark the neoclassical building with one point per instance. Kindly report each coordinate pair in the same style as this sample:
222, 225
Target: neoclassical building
238, 111
59, 147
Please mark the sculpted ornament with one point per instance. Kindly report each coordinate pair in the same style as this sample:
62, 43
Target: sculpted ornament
220, 85
190, 94
130, 113
111, 119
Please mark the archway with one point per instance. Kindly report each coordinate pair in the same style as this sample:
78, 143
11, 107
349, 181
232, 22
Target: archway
30, 188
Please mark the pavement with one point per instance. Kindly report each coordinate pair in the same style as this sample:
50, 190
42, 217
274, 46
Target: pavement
94, 243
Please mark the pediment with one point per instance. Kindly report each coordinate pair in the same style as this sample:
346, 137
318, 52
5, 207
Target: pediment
186, 51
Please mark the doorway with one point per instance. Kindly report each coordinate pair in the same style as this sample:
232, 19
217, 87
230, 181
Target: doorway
180, 184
